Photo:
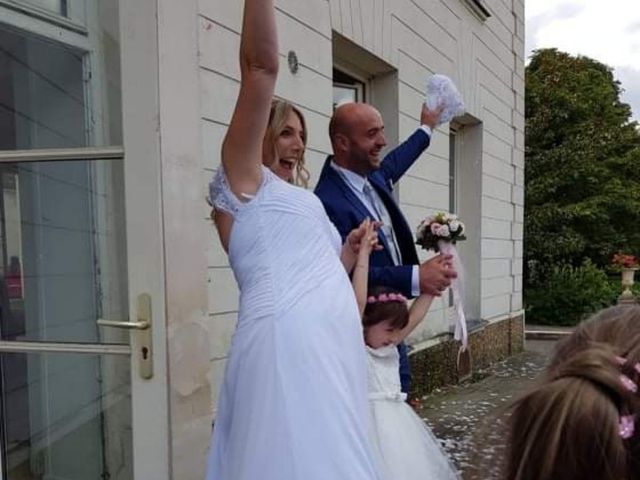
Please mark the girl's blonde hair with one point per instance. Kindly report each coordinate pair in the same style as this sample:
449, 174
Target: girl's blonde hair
280, 110
568, 427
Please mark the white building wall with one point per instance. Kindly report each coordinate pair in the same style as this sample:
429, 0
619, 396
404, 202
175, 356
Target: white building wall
418, 38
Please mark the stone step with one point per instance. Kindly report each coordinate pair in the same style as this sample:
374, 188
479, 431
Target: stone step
554, 334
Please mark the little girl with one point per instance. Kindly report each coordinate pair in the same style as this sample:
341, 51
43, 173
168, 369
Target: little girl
405, 447
581, 420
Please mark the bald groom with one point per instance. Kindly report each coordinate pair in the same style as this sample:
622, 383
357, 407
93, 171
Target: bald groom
356, 183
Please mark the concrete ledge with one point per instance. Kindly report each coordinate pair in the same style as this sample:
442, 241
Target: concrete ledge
546, 334
435, 365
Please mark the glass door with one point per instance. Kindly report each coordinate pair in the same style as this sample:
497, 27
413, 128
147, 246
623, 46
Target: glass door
62, 270
66, 375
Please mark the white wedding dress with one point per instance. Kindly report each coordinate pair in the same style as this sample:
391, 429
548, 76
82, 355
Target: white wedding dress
404, 446
293, 403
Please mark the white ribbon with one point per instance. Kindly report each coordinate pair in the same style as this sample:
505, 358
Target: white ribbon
392, 396
457, 285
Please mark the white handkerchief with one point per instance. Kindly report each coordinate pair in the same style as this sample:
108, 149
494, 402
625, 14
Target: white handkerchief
442, 91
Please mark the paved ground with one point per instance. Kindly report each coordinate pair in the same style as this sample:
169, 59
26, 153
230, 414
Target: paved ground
469, 418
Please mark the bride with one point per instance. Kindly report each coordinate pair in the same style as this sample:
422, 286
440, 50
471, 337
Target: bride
293, 404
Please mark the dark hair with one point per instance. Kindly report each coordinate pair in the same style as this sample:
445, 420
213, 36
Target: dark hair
378, 312
567, 427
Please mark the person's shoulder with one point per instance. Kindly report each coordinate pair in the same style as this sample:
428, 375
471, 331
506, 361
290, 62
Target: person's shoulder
326, 167
326, 193
325, 183
323, 187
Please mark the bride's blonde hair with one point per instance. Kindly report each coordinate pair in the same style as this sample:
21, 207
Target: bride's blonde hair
280, 110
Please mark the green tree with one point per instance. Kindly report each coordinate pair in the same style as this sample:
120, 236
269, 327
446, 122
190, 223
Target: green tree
582, 195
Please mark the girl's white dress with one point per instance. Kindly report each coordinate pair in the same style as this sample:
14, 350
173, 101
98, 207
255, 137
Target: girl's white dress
293, 403
405, 447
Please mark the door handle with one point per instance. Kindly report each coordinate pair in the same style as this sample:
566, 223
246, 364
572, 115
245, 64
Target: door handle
127, 325
141, 329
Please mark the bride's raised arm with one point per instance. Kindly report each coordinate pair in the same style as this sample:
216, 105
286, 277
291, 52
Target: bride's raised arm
242, 146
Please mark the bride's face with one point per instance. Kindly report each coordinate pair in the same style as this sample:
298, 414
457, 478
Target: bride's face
289, 147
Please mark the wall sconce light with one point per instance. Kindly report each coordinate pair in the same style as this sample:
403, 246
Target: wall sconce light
294, 65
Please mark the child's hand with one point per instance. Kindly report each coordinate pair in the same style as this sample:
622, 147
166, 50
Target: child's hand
364, 239
369, 240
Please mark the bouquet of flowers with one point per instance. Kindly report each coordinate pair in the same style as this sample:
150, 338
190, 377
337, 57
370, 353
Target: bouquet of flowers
439, 233
622, 260
440, 228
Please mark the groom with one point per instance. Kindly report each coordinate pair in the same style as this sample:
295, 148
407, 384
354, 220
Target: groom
355, 184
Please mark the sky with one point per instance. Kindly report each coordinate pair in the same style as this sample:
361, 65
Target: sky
606, 30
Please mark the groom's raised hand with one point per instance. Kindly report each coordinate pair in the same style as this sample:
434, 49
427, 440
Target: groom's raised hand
436, 275
429, 117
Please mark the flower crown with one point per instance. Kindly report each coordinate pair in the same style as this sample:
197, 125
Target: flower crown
386, 297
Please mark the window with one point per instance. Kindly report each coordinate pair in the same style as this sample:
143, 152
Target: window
360, 76
59, 7
63, 239
465, 200
67, 13
347, 89
453, 204
59, 88
479, 8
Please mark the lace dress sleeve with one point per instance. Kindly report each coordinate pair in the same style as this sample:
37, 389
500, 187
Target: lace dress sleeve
220, 195
222, 198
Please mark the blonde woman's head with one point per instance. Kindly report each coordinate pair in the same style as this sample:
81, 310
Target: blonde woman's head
569, 426
284, 143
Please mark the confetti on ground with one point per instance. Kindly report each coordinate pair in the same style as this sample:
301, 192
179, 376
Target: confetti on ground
469, 419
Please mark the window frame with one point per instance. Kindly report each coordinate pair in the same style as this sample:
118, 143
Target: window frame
48, 26
350, 79
76, 20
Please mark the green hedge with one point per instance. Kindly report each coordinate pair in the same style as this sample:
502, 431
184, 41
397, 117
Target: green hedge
566, 294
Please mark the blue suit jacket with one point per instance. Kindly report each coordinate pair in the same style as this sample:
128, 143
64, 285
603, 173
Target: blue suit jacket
347, 212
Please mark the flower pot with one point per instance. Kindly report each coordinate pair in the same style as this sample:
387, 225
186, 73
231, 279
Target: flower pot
627, 276
627, 282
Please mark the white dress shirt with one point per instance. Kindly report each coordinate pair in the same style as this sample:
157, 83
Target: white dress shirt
356, 183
